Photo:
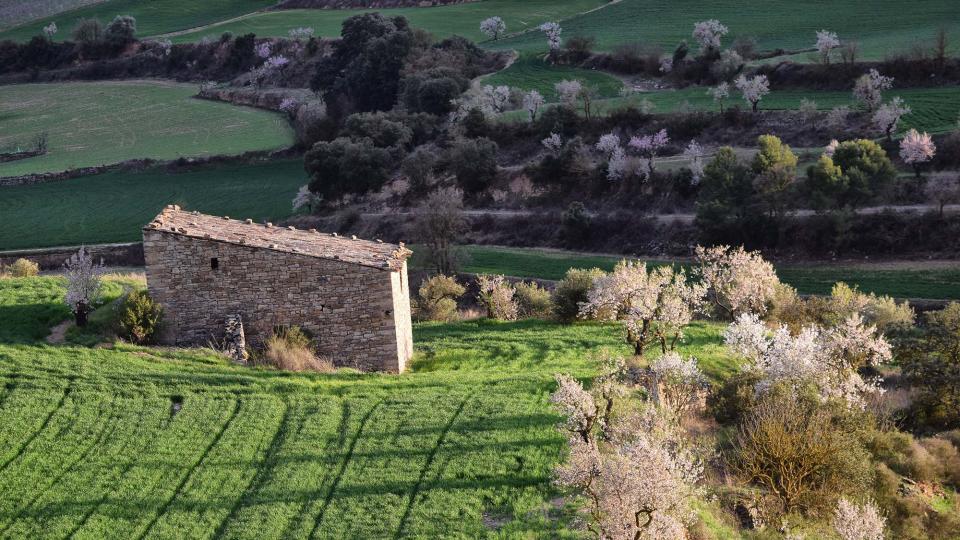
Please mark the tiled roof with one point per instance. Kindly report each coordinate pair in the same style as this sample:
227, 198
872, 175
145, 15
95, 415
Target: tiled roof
374, 254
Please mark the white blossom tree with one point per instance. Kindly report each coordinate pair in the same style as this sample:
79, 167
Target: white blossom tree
827, 41
709, 34
753, 89
916, 149
831, 148
888, 115
719, 93
493, 27
648, 146
858, 522
568, 91
738, 281
618, 165
694, 153
666, 64
305, 199
676, 384
837, 117
608, 143
829, 359
552, 30
943, 189
653, 305
869, 88
496, 295
83, 284
50, 30
635, 479
553, 143
532, 102
300, 33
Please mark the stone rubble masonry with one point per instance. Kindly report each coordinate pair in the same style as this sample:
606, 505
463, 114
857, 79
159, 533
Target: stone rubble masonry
351, 295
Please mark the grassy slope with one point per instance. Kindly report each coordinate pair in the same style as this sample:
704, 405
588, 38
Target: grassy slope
107, 122
153, 17
879, 25
443, 21
942, 283
112, 207
90, 447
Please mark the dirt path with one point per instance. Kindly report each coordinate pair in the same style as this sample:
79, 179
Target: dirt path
58, 333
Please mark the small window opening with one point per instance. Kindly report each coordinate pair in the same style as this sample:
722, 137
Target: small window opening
214, 263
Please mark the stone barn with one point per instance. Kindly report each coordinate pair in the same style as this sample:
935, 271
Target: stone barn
351, 295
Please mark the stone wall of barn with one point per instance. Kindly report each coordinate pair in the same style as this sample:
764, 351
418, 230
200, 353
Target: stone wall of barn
360, 316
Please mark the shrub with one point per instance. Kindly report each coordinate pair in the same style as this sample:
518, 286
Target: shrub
533, 301
87, 31
438, 299
384, 133
474, 162
857, 171
572, 290
140, 317
931, 363
799, 452
121, 30
496, 296
419, 165
292, 350
344, 166
23, 268
575, 224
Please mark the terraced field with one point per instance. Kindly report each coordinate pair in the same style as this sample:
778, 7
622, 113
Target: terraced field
108, 122
906, 280
880, 26
112, 207
153, 17
151, 443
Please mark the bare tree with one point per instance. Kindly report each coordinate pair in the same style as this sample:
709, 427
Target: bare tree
439, 224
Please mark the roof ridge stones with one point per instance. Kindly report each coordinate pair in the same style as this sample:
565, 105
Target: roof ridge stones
312, 243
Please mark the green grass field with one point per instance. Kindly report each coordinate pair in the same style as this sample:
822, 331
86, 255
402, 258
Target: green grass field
442, 21
880, 26
461, 447
934, 110
113, 207
932, 283
108, 122
153, 17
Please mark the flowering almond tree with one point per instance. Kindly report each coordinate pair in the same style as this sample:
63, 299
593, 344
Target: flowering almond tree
653, 305
869, 88
827, 358
719, 93
532, 102
553, 143
916, 149
676, 384
493, 27
858, 522
694, 153
827, 41
738, 281
708, 34
635, 478
83, 284
649, 146
552, 30
753, 89
888, 116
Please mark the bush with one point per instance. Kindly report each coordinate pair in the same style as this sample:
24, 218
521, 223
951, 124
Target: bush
344, 166
496, 296
575, 225
121, 30
23, 268
857, 172
474, 162
384, 132
419, 165
291, 349
572, 290
140, 317
931, 363
438, 299
87, 31
533, 301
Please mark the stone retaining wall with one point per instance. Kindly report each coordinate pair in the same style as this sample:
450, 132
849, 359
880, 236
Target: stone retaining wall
130, 254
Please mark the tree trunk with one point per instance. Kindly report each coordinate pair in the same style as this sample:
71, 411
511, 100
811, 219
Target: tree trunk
80, 316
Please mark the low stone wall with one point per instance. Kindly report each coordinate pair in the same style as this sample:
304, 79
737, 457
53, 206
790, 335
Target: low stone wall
130, 254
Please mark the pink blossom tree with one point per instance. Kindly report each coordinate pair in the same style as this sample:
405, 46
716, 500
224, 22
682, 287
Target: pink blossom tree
753, 89
738, 281
83, 284
648, 146
916, 149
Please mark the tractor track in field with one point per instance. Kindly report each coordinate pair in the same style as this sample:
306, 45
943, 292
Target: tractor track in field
131, 463
186, 478
426, 466
43, 426
343, 467
102, 436
264, 471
